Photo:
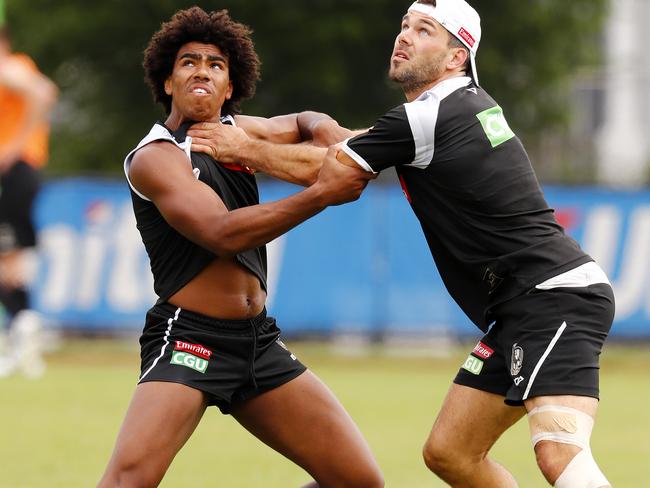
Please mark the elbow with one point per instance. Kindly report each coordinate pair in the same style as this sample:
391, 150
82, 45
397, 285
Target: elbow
310, 177
225, 248
224, 244
308, 180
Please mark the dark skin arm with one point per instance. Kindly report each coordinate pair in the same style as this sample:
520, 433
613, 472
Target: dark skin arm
271, 145
162, 173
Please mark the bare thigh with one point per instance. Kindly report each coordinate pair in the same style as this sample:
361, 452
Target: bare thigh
470, 422
158, 422
303, 421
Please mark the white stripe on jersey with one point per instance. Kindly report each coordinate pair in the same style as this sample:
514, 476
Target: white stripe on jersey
584, 275
422, 115
358, 159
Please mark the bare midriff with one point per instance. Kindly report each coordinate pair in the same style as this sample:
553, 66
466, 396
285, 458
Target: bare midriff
224, 289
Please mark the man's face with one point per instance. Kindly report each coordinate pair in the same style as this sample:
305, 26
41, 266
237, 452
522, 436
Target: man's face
421, 52
200, 82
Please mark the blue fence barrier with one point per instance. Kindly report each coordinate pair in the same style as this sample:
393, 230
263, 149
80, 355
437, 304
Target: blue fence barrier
363, 267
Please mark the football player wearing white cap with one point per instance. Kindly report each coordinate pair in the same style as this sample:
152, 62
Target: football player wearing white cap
544, 305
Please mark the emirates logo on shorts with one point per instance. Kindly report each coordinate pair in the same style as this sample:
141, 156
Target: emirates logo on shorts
482, 350
517, 359
196, 349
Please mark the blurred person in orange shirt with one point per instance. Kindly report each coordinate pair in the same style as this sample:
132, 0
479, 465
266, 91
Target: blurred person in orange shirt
26, 101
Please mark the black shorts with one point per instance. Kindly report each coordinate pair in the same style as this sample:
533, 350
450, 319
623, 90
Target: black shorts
18, 189
546, 342
229, 360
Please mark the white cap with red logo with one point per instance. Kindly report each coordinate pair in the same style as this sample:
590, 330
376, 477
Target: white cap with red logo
460, 19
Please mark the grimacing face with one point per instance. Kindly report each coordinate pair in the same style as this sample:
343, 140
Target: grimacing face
420, 53
200, 82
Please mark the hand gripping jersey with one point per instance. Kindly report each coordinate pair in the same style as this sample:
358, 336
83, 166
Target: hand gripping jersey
174, 259
473, 189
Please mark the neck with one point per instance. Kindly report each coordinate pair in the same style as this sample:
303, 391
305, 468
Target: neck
414, 94
176, 119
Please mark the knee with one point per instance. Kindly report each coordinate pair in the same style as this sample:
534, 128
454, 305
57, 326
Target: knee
362, 475
370, 478
553, 457
374, 480
567, 466
130, 475
440, 458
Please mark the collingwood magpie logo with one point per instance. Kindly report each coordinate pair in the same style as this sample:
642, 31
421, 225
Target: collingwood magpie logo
517, 359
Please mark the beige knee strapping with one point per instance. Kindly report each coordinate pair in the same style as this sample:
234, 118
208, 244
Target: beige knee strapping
582, 472
568, 426
560, 424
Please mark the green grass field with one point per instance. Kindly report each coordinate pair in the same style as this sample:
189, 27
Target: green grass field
59, 431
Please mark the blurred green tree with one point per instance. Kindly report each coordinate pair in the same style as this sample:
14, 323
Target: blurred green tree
323, 55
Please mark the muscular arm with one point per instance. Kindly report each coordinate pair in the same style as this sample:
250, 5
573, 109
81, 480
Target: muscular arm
270, 145
162, 173
40, 95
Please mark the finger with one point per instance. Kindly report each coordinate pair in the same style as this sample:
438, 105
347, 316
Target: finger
202, 133
204, 149
204, 141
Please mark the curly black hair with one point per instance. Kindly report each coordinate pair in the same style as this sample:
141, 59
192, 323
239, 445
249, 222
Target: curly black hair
217, 28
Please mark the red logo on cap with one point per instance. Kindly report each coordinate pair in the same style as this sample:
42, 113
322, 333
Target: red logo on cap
467, 37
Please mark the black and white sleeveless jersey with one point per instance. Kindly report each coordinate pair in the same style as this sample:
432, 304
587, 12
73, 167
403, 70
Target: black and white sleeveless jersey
174, 259
471, 185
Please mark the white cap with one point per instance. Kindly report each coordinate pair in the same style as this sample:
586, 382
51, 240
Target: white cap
460, 19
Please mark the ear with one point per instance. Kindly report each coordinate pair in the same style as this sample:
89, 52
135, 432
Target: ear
168, 86
229, 90
458, 59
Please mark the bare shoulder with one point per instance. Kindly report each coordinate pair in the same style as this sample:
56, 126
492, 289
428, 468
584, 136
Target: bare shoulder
159, 166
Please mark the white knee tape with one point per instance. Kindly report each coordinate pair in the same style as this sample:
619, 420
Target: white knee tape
560, 424
582, 472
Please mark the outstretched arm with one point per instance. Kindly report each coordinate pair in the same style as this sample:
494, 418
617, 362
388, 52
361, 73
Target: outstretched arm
161, 172
270, 145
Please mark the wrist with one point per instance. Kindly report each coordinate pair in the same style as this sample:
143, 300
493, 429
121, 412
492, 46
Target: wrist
249, 152
318, 195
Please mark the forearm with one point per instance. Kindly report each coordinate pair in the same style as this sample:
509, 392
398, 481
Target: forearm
308, 122
252, 227
296, 163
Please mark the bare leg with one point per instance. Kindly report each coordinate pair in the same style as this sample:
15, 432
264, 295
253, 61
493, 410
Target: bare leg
303, 421
468, 425
554, 457
160, 419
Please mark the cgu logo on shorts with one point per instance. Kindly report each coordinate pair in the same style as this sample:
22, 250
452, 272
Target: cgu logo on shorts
190, 361
473, 365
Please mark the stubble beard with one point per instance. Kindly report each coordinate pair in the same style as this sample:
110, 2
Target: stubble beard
416, 76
